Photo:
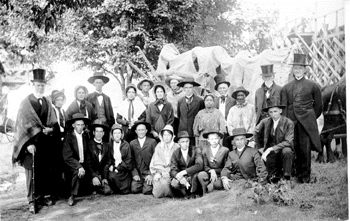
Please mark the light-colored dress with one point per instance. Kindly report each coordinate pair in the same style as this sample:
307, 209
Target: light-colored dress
241, 116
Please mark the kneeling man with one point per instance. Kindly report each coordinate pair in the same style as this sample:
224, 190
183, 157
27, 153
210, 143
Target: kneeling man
275, 137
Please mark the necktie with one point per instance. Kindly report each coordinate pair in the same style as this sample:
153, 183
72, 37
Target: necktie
160, 101
131, 111
99, 149
98, 95
40, 100
61, 117
223, 98
188, 100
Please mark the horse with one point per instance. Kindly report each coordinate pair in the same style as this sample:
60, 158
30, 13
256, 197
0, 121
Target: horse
334, 111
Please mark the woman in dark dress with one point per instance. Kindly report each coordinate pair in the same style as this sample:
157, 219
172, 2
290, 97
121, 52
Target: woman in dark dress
80, 105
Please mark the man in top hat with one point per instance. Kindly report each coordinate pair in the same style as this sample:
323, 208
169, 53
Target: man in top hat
142, 149
303, 102
241, 115
97, 157
33, 136
224, 102
243, 162
144, 86
75, 147
188, 107
268, 89
186, 163
101, 102
275, 137
174, 96
214, 157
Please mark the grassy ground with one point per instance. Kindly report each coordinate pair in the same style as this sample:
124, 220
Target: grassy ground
326, 199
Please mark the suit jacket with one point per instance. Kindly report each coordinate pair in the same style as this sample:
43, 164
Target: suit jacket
193, 165
70, 150
260, 97
246, 165
216, 162
187, 114
284, 133
92, 98
229, 102
74, 108
98, 168
303, 102
142, 156
158, 119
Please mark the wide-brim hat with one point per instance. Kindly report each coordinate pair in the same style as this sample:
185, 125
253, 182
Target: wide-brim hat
172, 77
239, 132
78, 116
99, 123
240, 89
181, 134
144, 80
98, 75
188, 81
221, 135
267, 70
273, 102
39, 75
56, 94
220, 79
137, 123
300, 59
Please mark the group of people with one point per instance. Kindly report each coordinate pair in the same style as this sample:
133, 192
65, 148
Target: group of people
172, 143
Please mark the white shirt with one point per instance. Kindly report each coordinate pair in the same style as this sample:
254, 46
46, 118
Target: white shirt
100, 154
87, 113
275, 123
80, 146
58, 117
160, 107
222, 106
142, 141
116, 154
99, 98
214, 150
184, 154
299, 78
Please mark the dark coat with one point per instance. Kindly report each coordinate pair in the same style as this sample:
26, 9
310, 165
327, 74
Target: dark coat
92, 98
98, 168
187, 114
70, 150
284, 133
128, 134
74, 108
247, 165
158, 119
142, 156
216, 162
229, 101
260, 97
193, 165
303, 102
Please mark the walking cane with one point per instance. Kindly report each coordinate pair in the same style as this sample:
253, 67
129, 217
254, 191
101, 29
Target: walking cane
33, 180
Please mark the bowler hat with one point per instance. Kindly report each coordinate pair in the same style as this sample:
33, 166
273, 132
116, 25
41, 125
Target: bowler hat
240, 89
78, 116
239, 132
137, 123
182, 134
273, 102
39, 75
144, 80
205, 135
99, 123
220, 79
300, 59
267, 70
98, 75
172, 77
188, 81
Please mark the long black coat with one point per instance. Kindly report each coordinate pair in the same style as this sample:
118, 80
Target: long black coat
303, 102
92, 98
187, 114
142, 156
98, 168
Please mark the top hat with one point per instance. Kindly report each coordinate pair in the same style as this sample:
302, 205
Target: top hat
39, 75
144, 80
205, 135
78, 116
99, 123
239, 132
188, 81
182, 134
240, 89
220, 79
300, 59
273, 102
56, 93
172, 77
137, 123
267, 70
98, 75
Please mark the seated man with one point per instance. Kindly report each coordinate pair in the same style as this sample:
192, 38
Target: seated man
186, 163
275, 137
74, 155
243, 162
214, 157
98, 157
142, 149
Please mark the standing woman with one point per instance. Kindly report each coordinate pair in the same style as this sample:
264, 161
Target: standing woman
160, 112
130, 111
120, 162
160, 163
208, 119
81, 105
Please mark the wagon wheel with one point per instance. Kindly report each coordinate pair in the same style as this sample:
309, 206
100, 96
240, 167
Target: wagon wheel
9, 129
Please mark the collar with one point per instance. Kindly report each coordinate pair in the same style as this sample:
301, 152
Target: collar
242, 105
189, 97
298, 79
240, 150
37, 96
100, 142
266, 87
217, 147
145, 94
276, 121
209, 110
120, 141
77, 134
141, 139
98, 92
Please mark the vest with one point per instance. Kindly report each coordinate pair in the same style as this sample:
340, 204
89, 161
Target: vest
271, 141
101, 111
